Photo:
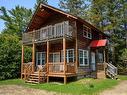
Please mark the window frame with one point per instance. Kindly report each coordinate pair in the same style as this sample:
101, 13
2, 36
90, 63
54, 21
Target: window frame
41, 58
67, 55
84, 57
87, 32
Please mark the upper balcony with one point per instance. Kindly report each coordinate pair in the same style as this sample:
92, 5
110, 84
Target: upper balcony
50, 32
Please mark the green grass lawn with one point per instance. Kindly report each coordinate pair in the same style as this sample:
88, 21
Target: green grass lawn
86, 86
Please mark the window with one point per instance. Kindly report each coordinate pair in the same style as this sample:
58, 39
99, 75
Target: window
87, 32
40, 58
83, 57
54, 57
69, 55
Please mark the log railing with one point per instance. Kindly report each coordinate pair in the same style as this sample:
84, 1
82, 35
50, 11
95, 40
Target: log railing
59, 67
27, 69
64, 28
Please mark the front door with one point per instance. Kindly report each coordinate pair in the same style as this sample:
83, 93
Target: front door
40, 58
93, 62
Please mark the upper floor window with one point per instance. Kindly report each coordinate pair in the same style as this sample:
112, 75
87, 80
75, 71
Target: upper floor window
87, 32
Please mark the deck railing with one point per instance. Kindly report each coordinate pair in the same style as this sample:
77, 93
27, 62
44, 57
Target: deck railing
71, 68
59, 67
64, 28
56, 67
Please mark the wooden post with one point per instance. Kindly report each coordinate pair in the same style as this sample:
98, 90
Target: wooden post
96, 57
33, 58
76, 49
104, 55
104, 62
64, 55
76, 56
22, 61
47, 61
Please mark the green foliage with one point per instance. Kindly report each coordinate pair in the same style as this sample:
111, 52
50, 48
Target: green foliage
10, 56
40, 1
123, 56
16, 20
111, 17
75, 7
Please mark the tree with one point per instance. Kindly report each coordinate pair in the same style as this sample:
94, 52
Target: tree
75, 7
40, 1
123, 56
110, 17
10, 56
15, 20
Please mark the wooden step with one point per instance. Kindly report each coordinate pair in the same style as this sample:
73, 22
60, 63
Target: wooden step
36, 74
29, 81
33, 79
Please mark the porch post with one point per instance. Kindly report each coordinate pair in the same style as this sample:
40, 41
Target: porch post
96, 57
104, 55
33, 57
76, 56
22, 61
64, 55
76, 49
47, 61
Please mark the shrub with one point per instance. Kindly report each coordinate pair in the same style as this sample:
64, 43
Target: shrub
10, 56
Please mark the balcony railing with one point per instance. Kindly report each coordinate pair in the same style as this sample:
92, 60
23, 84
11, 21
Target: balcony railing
64, 28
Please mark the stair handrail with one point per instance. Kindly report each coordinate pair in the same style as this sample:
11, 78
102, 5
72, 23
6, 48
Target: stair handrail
40, 71
112, 69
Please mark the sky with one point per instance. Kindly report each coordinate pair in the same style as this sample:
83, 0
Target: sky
9, 4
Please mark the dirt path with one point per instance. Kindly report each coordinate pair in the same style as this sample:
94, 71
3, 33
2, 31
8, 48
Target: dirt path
19, 90
120, 89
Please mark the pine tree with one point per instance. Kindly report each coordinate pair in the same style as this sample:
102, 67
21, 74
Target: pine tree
75, 7
40, 1
15, 20
110, 16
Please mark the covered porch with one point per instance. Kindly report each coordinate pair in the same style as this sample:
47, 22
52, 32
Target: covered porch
54, 56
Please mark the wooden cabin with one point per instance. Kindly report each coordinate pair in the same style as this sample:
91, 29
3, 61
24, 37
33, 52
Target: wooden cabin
63, 46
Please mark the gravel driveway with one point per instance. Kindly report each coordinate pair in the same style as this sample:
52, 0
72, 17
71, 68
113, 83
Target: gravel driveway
19, 90
120, 89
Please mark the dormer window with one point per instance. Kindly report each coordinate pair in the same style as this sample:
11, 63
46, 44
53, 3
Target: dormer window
87, 32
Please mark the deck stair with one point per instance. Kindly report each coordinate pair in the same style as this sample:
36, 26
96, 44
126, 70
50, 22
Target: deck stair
38, 76
111, 71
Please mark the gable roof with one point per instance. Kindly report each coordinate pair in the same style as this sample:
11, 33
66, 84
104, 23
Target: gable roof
44, 15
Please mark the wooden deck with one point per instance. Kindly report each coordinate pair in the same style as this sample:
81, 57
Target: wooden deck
53, 70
